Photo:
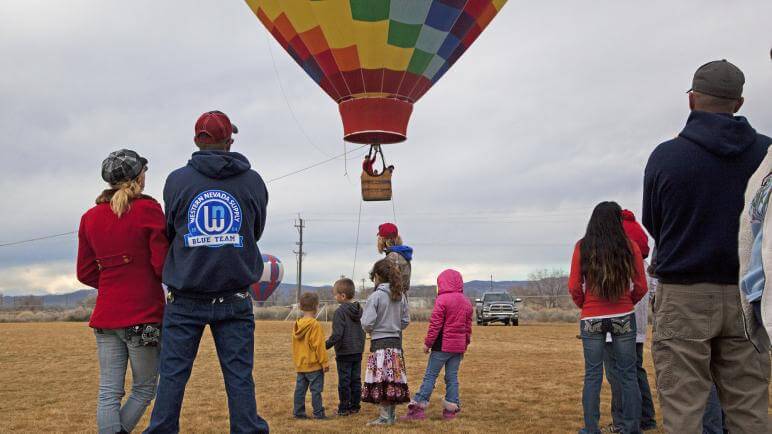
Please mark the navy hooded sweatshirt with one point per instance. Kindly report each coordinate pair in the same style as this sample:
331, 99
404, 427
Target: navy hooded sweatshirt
215, 214
693, 194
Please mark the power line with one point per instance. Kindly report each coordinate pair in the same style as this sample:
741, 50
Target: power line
356, 244
14, 243
314, 165
295, 172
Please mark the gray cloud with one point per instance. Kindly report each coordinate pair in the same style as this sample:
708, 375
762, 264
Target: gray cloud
555, 108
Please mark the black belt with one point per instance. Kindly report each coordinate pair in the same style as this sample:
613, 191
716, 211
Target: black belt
232, 298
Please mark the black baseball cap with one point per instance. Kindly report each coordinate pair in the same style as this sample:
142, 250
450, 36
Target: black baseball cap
719, 78
122, 166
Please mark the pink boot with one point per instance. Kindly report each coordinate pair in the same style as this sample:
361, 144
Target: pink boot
449, 410
415, 411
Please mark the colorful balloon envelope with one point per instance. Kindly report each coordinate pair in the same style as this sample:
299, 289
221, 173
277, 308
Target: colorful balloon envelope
273, 273
375, 58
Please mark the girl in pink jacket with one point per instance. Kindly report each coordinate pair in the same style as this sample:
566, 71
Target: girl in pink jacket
450, 331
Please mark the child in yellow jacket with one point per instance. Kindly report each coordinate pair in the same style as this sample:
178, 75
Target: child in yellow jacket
310, 357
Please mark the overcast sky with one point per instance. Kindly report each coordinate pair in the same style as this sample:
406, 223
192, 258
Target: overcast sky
554, 108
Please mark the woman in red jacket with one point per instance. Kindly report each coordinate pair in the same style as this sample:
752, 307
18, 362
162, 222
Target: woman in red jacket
607, 279
450, 331
121, 252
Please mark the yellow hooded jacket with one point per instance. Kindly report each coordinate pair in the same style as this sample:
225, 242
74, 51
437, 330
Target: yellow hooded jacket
308, 350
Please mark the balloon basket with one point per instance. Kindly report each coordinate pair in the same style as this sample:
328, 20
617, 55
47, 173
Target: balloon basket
377, 187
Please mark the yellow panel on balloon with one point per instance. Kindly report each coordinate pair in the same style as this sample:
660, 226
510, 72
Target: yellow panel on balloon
396, 58
371, 42
271, 8
300, 14
334, 16
499, 4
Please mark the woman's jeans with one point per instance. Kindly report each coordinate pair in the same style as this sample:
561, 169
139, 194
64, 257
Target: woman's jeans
593, 332
115, 351
438, 360
648, 420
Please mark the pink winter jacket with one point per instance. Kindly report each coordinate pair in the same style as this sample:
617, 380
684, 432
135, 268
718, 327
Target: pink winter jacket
452, 315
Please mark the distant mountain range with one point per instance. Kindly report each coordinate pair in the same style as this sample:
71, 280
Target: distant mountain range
50, 300
285, 290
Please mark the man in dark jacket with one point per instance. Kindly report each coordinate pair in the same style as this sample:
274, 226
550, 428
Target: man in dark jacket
692, 199
348, 338
215, 214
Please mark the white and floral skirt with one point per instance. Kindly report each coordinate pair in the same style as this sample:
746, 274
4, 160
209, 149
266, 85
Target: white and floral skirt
386, 378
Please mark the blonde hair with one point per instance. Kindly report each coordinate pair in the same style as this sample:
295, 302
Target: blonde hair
384, 243
121, 195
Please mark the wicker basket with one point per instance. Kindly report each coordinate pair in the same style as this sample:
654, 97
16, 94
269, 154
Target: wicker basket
377, 188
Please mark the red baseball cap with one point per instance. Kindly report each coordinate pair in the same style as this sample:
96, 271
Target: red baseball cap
388, 230
214, 127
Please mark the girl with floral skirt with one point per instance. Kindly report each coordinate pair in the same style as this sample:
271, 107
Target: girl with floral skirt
385, 316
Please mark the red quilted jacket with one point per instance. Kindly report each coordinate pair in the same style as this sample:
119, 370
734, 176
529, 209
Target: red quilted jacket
451, 316
123, 258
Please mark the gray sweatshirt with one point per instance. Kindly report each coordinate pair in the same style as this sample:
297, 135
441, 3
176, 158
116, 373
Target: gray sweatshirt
384, 318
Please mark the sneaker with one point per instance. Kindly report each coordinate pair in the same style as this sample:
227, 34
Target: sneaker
448, 415
353, 411
300, 416
380, 421
649, 427
611, 428
343, 413
415, 411
322, 417
449, 410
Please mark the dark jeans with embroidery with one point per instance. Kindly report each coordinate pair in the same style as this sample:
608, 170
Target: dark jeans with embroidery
233, 328
593, 332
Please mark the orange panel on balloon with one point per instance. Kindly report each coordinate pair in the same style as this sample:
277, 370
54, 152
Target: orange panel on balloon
315, 41
346, 58
285, 27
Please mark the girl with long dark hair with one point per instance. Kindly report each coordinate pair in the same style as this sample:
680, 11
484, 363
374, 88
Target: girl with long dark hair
607, 279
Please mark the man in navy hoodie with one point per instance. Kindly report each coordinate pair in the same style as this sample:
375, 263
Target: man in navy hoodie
692, 199
215, 214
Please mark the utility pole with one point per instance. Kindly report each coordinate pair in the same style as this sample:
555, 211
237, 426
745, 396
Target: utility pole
363, 286
300, 225
491, 282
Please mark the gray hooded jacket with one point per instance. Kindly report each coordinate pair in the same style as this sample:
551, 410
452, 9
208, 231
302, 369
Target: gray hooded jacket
383, 317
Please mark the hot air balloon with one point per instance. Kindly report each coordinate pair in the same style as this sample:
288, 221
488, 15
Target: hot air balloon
375, 58
273, 273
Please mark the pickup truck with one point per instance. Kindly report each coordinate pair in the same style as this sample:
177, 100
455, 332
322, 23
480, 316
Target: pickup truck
497, 306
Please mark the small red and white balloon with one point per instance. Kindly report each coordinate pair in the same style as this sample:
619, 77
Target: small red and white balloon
273, 273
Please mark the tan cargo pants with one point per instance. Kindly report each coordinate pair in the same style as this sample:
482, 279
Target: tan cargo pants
699, 339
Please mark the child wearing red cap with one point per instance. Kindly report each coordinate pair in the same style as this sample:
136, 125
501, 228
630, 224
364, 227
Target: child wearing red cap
390, 243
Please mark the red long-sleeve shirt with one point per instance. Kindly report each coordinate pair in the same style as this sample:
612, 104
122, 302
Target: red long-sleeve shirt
123, 258
593, 306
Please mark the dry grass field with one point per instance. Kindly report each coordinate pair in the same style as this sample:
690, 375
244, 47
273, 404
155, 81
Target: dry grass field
513, 379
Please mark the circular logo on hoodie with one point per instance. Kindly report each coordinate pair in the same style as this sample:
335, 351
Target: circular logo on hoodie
214, 220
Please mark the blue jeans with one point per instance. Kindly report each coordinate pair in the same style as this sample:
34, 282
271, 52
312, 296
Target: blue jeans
647, 420
233, 329
593, 332
438, 360
115, 352
713, 419
349, 382
316, 382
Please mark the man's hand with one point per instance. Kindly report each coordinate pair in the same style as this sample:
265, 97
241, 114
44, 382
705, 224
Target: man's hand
426, 349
